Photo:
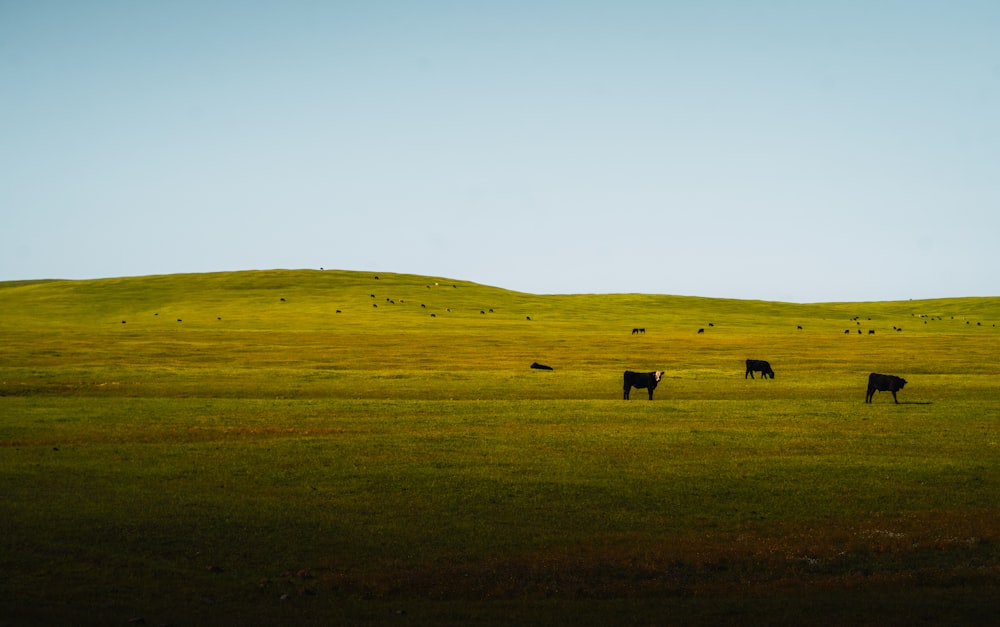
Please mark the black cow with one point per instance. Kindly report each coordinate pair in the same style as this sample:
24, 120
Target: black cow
761, 366
884, 383
538, 366
646, 380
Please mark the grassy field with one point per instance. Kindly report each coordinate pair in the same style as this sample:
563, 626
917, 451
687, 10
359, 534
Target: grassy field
327, 447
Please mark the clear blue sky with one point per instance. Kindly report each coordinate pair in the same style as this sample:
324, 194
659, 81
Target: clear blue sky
779, 150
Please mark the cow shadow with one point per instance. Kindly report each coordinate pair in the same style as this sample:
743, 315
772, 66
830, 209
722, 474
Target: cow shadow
915, 403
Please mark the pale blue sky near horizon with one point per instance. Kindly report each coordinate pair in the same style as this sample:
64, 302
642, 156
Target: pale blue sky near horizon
804, 151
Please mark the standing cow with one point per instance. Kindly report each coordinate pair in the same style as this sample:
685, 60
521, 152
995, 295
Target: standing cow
761, 366
884, 383
646, 380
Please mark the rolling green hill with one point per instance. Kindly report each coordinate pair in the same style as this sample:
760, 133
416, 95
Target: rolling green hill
326, 332
332, 447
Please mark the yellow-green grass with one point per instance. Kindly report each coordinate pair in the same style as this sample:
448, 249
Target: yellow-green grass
229, 449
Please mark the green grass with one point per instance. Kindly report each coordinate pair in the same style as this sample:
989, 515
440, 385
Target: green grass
228, 457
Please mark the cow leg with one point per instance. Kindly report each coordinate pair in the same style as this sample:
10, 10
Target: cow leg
894, 397
626, 392
650, 393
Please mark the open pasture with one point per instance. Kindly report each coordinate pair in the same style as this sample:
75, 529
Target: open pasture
327, 447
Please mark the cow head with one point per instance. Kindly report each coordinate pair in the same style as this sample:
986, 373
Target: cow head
657, 375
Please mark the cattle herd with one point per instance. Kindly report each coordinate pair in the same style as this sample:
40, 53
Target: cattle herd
649, 380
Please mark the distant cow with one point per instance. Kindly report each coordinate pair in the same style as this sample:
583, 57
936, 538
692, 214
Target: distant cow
538, 366
884, 383
638, 330
646, 380
761, 366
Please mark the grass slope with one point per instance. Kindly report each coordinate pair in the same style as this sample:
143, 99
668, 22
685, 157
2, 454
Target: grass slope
316, 447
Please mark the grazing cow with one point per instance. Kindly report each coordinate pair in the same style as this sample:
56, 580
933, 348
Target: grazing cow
761, 366
701, 330
538, 366
871, 331
884, 383
646, 380
634, 331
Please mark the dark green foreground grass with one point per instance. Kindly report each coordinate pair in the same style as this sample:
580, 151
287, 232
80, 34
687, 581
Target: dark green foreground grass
274, 462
